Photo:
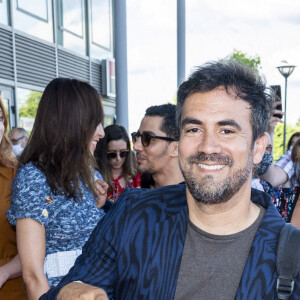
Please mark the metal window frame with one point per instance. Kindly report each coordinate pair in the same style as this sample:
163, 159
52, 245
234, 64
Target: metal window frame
60, 20
32, 14
110, 27
94, 75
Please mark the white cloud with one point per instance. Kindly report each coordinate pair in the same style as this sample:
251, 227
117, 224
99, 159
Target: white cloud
151, 40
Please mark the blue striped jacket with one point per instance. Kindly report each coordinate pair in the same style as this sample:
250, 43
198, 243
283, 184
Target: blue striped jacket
135, 250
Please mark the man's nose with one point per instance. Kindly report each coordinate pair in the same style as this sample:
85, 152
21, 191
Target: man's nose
210, 144
137, 146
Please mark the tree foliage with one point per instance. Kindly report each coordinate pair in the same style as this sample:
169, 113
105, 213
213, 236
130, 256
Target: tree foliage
278, 138
243, 58
32, 103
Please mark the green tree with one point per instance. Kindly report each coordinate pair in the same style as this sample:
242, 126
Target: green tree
278, 138
30, 108
243, 58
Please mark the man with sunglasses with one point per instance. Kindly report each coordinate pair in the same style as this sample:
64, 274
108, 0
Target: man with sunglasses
19, 138
156, 146
213, 238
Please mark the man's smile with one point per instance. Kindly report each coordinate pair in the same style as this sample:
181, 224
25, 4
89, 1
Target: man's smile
211, 167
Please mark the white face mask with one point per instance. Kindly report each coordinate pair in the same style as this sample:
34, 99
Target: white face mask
17, 149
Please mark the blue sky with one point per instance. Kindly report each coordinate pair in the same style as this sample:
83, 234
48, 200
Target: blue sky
214, 28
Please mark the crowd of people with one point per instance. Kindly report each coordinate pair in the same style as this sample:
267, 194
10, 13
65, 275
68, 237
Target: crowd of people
117, 162
88, 212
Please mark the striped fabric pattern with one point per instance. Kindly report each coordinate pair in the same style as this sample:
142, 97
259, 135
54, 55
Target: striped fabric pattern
135, 250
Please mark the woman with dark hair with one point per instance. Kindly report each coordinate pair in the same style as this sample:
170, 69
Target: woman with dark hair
286, 199
295, 156
11, 284
116, 161
54, 192
295, 218
293, 139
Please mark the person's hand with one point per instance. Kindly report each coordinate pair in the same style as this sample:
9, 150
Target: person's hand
3, 277
101, 188
81, 291
274, 120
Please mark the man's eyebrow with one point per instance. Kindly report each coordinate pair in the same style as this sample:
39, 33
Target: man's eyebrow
230, 123
189, 120
148, 131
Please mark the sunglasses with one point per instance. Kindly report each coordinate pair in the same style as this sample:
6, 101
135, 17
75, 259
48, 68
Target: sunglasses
15, 141
113, 154
147, 136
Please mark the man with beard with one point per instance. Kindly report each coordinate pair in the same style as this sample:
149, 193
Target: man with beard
156, 146
213, 238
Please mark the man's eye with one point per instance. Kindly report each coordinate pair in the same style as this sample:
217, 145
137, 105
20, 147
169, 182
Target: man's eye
226, 131
192, 130
1, 119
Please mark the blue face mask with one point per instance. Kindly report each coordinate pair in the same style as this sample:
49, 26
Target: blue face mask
264, 165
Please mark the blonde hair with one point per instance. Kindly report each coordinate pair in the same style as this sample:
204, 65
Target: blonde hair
7, 158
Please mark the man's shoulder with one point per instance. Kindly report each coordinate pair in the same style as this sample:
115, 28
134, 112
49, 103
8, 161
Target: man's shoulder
156, 194
260, 197
166, 196
272, 217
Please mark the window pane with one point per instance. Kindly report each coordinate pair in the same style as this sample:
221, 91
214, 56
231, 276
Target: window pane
36, 8
3, 12
71, 27
6, 94
108, 120
72, 16
101, 22
27, 103
101, 29
34, 17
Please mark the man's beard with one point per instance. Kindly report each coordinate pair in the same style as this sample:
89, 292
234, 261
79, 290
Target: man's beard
208, 191
150, 167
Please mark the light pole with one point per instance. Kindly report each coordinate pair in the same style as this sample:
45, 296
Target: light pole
285, 70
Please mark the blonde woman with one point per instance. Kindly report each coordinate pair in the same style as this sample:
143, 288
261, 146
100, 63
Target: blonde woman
11, 283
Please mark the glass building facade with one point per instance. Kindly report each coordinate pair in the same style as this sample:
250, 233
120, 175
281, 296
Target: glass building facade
44, 39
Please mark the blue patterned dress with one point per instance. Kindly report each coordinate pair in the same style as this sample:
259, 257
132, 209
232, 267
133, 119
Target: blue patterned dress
68, 224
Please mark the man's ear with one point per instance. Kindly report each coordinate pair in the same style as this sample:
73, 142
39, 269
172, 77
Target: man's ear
259, 148
174, 149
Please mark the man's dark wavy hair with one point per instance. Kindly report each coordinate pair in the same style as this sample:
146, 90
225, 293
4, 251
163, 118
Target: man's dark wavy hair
244, 82
168, 112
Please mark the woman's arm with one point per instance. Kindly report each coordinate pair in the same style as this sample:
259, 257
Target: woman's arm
10, 270
31, 243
